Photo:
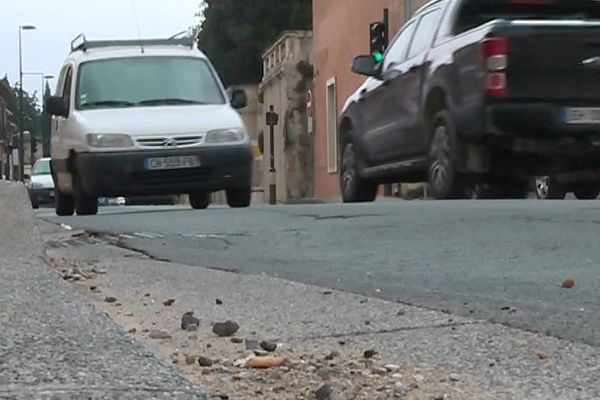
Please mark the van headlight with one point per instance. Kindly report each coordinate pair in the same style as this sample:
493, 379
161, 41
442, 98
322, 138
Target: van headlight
229, 135
112, 140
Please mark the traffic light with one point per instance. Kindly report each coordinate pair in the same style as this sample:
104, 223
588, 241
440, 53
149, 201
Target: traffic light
379, 38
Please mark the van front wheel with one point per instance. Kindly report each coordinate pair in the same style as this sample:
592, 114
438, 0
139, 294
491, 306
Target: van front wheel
85, 204
64, 204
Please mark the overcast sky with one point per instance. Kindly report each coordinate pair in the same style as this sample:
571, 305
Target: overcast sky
59, 21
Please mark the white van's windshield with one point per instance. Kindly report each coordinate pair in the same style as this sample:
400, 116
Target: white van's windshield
146, 81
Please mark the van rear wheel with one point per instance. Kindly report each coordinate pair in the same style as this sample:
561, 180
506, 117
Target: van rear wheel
239, 198
200, 201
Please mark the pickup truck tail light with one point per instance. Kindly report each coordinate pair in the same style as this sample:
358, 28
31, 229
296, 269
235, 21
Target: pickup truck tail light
495, 60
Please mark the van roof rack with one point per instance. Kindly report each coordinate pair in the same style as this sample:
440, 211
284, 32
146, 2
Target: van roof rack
81, 43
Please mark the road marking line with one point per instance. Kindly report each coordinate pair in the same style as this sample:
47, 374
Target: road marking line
149, 235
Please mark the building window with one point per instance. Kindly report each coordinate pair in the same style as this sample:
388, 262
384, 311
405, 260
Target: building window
332, 141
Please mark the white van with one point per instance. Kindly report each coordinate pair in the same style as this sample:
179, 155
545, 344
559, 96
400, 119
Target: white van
145, 117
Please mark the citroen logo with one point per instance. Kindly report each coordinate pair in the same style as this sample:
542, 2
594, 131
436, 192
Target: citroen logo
170, 142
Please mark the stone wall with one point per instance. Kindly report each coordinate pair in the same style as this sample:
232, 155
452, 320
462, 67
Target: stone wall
288, 74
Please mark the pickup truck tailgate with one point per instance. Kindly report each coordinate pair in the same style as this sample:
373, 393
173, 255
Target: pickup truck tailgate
553, 61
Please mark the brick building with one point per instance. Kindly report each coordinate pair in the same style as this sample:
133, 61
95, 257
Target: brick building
341, 32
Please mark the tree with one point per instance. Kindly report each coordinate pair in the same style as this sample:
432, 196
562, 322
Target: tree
46, 124
235, 33
31, 114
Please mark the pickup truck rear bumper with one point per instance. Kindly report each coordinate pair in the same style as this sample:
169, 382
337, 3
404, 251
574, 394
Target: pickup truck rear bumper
534, 120
539, 128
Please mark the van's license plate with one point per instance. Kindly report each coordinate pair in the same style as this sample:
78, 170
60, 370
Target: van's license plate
582, 115
176, 162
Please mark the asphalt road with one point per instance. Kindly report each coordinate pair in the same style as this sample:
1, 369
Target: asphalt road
497, 260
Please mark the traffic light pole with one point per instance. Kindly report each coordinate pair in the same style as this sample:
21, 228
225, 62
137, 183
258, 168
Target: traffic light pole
387, 188
272, 120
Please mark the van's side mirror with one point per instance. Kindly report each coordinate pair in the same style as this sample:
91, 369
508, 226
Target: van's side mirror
55, 105
238, 98
365, 65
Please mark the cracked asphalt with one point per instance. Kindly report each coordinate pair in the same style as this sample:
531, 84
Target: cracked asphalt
501, 261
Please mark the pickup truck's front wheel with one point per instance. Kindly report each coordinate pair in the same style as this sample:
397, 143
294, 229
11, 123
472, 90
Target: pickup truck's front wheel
444, 180
355, 189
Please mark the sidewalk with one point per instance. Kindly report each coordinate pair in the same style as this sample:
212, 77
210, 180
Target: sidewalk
53, 343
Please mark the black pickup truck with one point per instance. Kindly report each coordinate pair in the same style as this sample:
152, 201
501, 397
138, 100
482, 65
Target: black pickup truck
478, 93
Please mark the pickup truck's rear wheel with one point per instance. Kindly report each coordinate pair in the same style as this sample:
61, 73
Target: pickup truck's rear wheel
444, 180
547, 188
239, 198
586, 192
355, 189
200, 201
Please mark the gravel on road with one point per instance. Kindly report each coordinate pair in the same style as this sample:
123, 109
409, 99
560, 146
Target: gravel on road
328, 343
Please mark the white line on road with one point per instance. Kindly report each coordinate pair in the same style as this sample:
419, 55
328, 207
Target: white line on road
149, 235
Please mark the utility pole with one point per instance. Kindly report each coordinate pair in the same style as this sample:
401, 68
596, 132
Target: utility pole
21, 133
272, 120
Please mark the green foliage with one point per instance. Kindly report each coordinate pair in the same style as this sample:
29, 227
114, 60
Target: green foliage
46, 124
306, 70
235, 33
31, 113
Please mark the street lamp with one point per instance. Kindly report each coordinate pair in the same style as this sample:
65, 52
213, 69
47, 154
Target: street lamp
21, 135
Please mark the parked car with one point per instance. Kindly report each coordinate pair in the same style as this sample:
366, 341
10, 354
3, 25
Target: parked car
549, 188
111, 201
40, 185
473, 92
145, 117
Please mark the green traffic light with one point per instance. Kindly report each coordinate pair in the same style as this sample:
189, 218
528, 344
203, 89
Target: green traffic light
378, 57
